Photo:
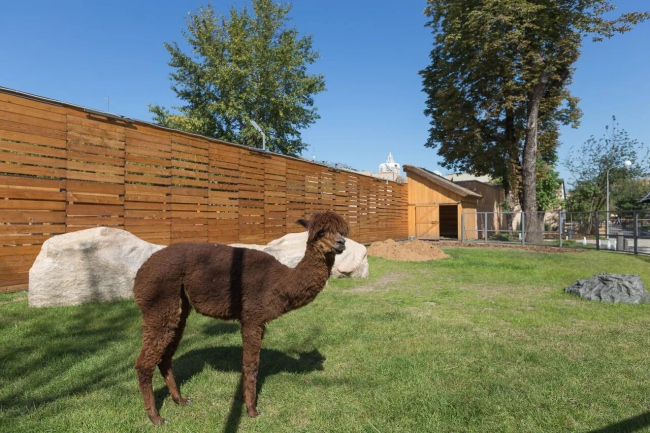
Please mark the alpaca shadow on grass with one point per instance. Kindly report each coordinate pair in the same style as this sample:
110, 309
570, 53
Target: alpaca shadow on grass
229, 359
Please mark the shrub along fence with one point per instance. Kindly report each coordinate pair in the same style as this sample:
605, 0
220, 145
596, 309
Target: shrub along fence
65, 168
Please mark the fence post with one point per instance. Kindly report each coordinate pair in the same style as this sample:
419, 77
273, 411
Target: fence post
462, 227
485, 231
560, 230
523, 230
635, 232
597, 232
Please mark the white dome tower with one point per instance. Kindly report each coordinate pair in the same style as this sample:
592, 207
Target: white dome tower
390, 166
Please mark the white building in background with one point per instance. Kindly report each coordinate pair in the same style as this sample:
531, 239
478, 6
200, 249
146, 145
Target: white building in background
389, 170
390, 166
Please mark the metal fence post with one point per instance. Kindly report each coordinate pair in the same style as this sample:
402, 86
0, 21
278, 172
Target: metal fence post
597, 232
635, 232
462, 227
523, 230
485, 231
560, 230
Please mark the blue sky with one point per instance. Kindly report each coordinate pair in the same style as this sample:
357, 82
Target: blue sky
371, 51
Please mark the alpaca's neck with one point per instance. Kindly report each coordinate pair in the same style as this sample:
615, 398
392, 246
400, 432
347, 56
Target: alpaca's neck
308, 278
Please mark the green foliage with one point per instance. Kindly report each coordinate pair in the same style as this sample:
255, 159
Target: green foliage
548, 187
590, 163
502, 237
494, 63
242, 67
584, 197
627, 194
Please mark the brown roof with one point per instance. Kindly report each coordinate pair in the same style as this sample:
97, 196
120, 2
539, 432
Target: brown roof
441, 181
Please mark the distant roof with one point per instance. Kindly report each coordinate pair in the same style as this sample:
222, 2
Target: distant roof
455, 177
478, 181
439, 180
645, 199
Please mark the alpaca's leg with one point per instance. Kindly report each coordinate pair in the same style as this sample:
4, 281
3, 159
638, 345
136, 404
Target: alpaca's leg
165, 364
252, 343
155, 340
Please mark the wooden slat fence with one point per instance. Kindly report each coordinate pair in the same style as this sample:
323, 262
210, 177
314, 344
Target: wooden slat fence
63, 169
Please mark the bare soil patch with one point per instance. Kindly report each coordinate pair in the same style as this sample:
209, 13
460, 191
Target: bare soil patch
412, 251
382, 283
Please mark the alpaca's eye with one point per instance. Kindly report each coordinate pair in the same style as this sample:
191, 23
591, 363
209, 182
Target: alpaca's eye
320, 233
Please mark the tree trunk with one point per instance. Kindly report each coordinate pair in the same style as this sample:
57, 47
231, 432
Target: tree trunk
534, 233
509, 174
510, 141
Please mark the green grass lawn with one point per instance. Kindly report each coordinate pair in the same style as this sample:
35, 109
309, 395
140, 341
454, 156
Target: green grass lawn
485, 341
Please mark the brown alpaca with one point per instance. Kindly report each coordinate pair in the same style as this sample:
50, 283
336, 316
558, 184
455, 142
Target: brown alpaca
226, 283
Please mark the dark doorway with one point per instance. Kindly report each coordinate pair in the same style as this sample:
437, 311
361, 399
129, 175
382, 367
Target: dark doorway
449, 221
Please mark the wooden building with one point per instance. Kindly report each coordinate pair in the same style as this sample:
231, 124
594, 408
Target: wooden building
436, 206
492, 198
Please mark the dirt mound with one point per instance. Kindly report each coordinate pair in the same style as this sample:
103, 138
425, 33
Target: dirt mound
412, 251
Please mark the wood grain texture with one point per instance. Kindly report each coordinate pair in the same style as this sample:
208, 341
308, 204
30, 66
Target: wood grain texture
63, 170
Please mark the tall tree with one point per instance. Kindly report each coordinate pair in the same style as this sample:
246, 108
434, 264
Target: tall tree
590, 163
497, 82
627, 194
244, 67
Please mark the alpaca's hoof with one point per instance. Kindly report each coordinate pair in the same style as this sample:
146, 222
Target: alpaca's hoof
159, 420
183, 401
252, 412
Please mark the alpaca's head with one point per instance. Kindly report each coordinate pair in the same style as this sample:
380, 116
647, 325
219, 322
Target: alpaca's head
326, 232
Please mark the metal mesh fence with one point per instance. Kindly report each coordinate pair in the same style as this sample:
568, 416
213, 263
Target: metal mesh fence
623, 231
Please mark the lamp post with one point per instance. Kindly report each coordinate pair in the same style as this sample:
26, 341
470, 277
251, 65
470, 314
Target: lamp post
256, 126
627, 164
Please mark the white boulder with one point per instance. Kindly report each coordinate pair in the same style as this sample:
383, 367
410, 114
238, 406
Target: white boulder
290, 249
97, 264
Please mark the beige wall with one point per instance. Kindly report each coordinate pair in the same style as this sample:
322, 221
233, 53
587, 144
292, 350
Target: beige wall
492, 196
490, 202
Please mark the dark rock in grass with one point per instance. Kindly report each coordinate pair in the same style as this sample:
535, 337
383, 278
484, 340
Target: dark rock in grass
628, 289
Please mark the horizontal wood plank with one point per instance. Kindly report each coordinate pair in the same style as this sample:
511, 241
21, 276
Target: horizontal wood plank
63, 170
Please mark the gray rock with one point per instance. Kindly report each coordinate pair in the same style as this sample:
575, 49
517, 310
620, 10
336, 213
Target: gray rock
290, 249
624, 288
97, 264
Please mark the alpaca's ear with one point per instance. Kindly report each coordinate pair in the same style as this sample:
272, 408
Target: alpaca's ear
303, 222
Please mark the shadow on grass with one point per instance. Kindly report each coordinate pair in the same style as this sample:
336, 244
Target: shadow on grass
627, 426
48, 354
220, 327
52, 353
229, 359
